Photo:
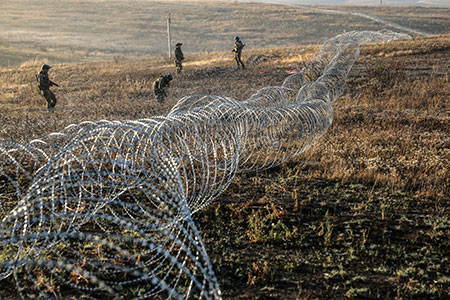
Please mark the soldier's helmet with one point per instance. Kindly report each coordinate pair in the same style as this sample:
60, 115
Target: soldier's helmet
236, 38
169, 76
46, 67
179, 44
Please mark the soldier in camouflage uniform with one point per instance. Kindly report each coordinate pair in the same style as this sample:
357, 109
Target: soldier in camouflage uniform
159, 86
238, 46
44, 85
179, 57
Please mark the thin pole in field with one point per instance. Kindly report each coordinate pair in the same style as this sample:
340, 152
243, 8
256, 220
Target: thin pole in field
168, 35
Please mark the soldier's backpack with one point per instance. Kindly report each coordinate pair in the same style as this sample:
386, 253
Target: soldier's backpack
239, 46
157, 83
41, 81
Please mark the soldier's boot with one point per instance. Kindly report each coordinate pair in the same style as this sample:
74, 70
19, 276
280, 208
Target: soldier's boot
50, 106
53, 98
48, 97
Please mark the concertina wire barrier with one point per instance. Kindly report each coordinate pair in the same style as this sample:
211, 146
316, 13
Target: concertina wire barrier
104, 209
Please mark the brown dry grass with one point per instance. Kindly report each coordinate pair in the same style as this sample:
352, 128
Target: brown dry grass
363, 213
120, 29
395, 110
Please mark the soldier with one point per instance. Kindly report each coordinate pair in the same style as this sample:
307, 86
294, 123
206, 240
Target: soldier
179, 57
159, 86
238, 46
44, 85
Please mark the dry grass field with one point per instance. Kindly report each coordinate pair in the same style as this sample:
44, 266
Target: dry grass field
97, 30
364, 213
432, 20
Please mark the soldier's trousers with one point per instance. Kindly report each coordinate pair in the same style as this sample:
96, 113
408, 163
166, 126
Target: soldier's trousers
179, 66
160, 94
237, 57
50, 97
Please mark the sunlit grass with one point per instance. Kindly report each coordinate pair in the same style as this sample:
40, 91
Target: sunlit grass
362, 213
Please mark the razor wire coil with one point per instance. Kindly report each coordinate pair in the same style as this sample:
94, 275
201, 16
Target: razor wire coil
105, 208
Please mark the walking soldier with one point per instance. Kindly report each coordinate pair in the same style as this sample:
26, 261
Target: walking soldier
44, 85
238, 46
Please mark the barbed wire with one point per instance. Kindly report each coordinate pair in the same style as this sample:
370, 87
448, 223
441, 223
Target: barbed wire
105, 208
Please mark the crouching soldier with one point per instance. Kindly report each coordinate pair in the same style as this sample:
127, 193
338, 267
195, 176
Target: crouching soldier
44, 85
160, 85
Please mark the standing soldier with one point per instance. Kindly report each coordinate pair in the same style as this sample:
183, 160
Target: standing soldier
238, 46
44, 85
159, 86
179, 57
